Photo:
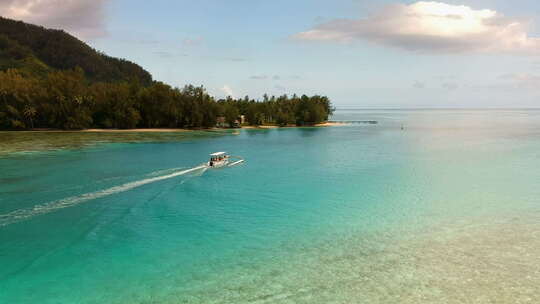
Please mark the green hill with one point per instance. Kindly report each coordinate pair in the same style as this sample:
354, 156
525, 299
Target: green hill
36, 50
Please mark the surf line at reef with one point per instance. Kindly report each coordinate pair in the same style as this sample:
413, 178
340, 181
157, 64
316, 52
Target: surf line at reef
23, 214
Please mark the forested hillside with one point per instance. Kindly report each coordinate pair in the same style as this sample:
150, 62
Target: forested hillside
50, 79
22, 42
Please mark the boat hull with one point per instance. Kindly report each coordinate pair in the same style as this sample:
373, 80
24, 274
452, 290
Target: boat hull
217, 164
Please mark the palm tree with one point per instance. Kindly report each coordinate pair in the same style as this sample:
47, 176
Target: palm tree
30, 112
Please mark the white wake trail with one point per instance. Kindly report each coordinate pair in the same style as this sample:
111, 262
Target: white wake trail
19, 215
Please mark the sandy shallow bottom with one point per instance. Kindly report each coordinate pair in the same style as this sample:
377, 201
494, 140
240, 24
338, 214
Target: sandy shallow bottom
44, 140
495, 263
36, 141
135, 130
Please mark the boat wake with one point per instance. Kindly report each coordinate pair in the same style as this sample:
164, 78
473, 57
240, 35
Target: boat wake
23, 214
238, 162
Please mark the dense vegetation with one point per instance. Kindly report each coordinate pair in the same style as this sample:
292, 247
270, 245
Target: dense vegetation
29, 46
49, 79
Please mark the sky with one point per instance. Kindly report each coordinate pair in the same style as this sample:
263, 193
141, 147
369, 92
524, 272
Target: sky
383, 54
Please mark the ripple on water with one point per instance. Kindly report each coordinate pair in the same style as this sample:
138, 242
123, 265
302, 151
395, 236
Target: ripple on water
493, 263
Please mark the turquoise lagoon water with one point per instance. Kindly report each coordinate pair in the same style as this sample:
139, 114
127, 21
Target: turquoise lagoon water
446, 210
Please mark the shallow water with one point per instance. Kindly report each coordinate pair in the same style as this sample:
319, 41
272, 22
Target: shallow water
28, 142
446, 210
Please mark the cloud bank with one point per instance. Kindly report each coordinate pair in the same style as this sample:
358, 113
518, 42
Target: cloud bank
432, 27
192, 42
83, 18
522, 80
227, 91
418, 85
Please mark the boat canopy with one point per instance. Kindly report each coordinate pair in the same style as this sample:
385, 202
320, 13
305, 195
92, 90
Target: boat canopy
218, 154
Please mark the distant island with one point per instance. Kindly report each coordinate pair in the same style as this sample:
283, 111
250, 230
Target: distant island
52, 80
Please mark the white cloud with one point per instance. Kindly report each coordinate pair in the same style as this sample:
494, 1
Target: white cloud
234, 59
259, 77
522, 80
432, 27
163, 54
450, 86
418, 85
192, 42
83, 18
228, 91
280, 88
265, 77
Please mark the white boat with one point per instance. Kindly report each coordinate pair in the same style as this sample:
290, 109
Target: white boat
222, 159
218, 159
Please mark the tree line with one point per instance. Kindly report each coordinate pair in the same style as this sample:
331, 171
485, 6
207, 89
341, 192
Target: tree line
66, 99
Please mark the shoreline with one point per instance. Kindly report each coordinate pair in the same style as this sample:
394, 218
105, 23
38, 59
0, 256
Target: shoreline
172, 130
323, 124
